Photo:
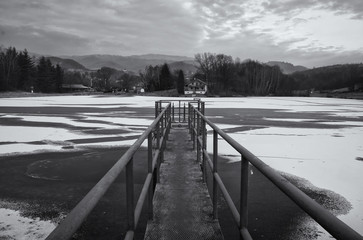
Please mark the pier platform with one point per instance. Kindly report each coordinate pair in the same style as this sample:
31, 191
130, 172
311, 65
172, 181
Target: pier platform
182, 205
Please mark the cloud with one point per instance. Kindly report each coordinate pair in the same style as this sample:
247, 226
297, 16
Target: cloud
115, 27
289, 30
40, 41
289, 7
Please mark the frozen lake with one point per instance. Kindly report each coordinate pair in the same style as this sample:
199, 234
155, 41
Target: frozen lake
318, 139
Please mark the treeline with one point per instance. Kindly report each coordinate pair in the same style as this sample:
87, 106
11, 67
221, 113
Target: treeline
19, 71
159, 78
329, 78
226, 76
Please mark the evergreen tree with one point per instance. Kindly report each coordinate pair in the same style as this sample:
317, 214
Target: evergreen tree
26, 71
45, 76
180, 82
165, 78
59, 75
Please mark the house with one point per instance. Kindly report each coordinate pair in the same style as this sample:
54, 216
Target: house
195, 86
75, 88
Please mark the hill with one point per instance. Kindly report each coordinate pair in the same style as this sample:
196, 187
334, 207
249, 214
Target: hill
131, 63
286, 67
67, 64
162, 57
186, 66
329, 77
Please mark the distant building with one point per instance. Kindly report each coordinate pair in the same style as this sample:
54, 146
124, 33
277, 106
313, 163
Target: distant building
195, 86
75, 88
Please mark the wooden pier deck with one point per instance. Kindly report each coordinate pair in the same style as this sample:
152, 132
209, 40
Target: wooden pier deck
182, 205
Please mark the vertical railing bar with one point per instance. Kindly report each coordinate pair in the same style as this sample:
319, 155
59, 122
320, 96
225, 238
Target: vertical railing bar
179, 110
163, 139
156, 109
184, 113
130, 194
204, 147
204, 141
193, 129
244, 193
150, 170
198, 143
173, 112
158, 148
215, 170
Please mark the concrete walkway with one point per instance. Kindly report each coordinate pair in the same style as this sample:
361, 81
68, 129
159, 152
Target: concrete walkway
182, 206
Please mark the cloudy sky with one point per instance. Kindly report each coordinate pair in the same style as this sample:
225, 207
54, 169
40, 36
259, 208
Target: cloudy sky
303, 32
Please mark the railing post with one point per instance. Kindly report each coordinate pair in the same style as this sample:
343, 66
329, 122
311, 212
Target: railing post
190, 120
130, 194
184, 113
204, 147
215, 170
158, 148
156, 109
162, 143
173, 113
150, 171
244, 193
179, 111
193, 129
198, 134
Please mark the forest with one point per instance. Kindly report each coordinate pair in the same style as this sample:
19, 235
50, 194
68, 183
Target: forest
224, 76
19, 71
330, 77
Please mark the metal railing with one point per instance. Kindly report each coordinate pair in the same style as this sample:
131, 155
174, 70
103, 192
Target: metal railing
157, 132
197, 124
179, 108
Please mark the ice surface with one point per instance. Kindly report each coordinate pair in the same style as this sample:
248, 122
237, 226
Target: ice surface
325, 157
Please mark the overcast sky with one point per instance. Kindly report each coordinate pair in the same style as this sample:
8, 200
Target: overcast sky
303, 32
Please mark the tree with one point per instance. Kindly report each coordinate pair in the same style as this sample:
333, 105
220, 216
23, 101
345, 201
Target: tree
59, 75
8, 64
26, 71
180, 82
150, 78
166, 80
104, 74
127, 81
225, 76
206, 62
46, 81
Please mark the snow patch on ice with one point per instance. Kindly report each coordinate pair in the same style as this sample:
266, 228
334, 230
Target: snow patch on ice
15, 226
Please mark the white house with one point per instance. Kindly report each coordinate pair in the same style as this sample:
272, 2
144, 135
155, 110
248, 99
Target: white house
195, 86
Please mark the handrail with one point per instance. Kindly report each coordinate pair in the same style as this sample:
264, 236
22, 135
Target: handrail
77, 216
328, 221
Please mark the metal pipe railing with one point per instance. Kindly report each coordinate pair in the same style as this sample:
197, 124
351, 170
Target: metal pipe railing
328, 221
77, 216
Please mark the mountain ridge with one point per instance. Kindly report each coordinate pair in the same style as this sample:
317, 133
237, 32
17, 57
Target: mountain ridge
286, 67
133, 63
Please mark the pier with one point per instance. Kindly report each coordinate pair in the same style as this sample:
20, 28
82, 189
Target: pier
179, 204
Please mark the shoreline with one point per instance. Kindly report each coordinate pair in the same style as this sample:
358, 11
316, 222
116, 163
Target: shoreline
20, 94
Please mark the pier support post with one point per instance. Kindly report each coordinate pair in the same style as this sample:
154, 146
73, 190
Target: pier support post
130, 194
215, 170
